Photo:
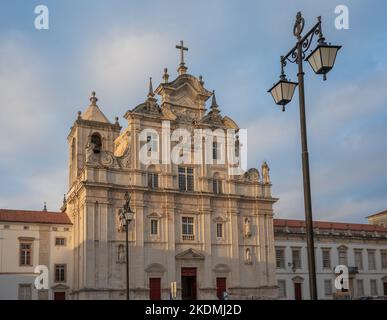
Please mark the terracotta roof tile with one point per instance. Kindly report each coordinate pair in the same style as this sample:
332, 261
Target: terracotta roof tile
29, 216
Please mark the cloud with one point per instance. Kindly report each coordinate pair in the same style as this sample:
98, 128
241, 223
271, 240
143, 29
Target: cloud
119, 65
347, 151
42, 186
24, 96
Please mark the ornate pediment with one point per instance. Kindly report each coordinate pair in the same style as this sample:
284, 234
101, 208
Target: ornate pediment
190, 254
221, 268
155, 268
60, 286
154, 215
148, 107
220, 219
186, 90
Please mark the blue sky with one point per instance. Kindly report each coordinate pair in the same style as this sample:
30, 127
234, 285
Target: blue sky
112, 47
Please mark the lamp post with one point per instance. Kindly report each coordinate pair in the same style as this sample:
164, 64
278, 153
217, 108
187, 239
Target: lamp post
321, 60
126, 216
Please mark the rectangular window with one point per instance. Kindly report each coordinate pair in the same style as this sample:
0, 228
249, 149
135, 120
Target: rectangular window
153, 180
25, 253
25, 292
280, 258
152, 142
343, 257
219, 230
186, 179
383, 256
60, 241
282, 288
296, 258
154, 227
60, 273
326, 258
216, 150
359, 259
216, 186
374, 287
328, 287
371, 260
360, 287
187, 224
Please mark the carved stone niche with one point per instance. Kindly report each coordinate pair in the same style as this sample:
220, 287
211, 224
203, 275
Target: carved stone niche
246, 227
248, 256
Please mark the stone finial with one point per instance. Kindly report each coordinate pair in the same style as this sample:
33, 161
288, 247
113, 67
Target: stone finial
201, 80
151, 94
93, 99
116, 118
214, 105
165, 75
45, 206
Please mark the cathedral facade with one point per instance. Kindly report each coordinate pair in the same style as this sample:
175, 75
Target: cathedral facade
195, 224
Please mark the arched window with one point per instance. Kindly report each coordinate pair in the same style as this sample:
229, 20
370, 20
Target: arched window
96, 142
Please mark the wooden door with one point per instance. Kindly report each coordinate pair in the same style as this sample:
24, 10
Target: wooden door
154, 288
59, 295
297, 291
188, 283
220, 287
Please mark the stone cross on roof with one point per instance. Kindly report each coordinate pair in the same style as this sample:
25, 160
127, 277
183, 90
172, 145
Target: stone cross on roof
182, 68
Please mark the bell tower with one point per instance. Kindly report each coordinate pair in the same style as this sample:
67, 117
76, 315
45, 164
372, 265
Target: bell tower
91, 133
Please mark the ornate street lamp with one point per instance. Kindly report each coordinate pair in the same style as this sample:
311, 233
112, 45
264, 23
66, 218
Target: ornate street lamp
282, 92
322, 60
126, 217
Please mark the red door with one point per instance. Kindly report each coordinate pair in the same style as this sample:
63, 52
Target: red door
155, 288
59, 295
297, 291
220, 287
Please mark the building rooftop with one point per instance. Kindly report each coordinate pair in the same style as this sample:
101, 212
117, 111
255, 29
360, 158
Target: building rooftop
378, 214
29, 216
278, 223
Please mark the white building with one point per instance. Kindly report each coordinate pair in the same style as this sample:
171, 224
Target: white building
360, 247
29, 239
195, 223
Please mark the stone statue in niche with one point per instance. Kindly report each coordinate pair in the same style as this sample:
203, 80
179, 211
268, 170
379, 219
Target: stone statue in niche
120, 254
265, 173
248, 259
247, 228
120, 221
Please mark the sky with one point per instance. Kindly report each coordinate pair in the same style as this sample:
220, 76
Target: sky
113, 47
